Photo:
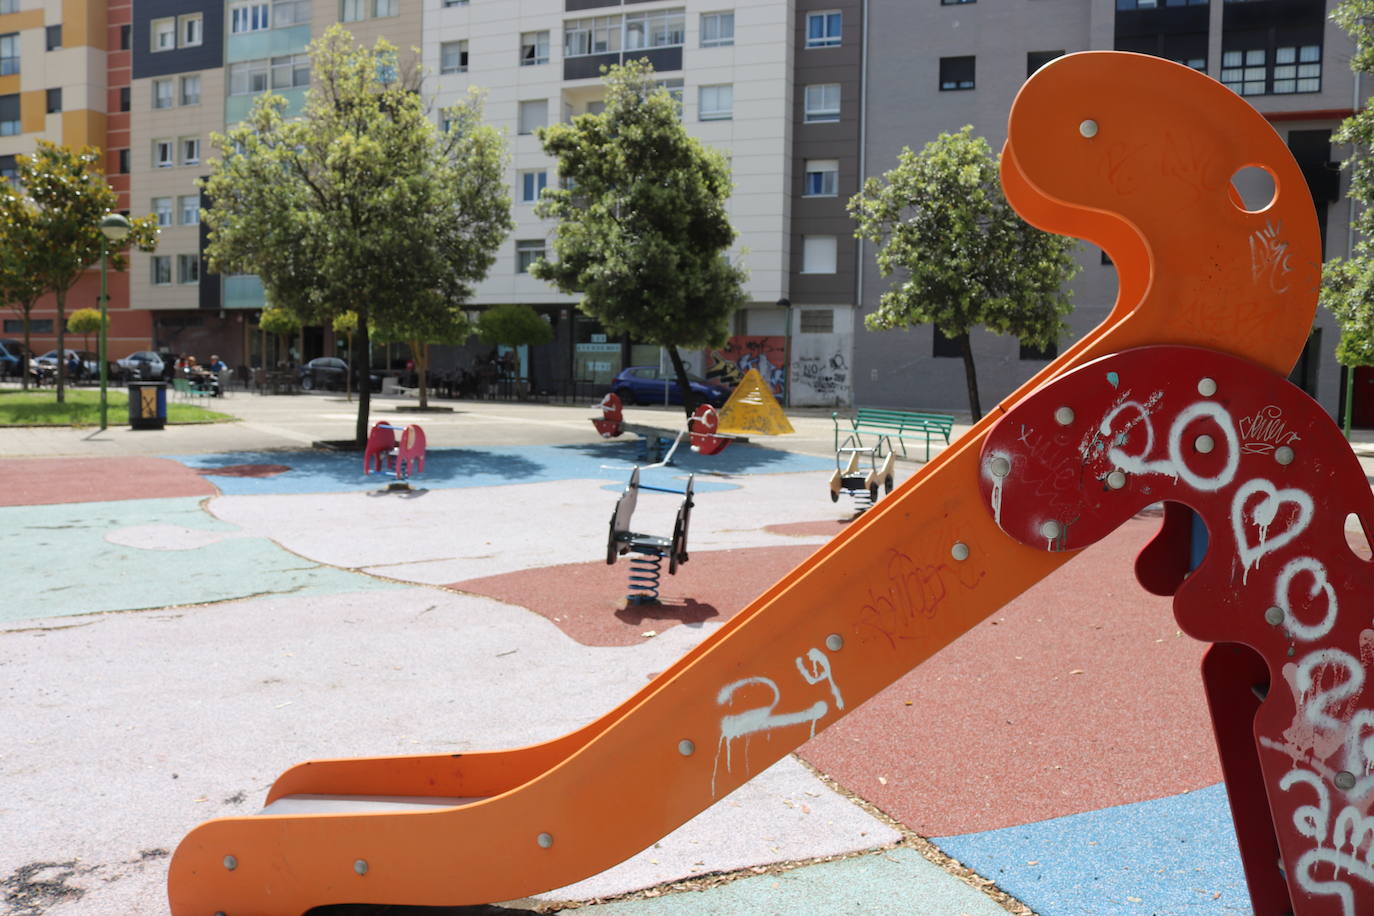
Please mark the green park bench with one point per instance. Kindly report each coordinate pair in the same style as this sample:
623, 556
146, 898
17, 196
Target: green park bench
895, 424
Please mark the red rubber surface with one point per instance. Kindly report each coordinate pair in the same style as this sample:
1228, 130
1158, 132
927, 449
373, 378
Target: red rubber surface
48, 481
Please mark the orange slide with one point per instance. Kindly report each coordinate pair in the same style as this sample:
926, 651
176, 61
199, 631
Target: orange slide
1133, 153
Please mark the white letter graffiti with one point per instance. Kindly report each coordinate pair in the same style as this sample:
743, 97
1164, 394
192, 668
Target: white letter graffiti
1320, 584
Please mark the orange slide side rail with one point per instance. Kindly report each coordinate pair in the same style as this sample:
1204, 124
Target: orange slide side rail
1133, 153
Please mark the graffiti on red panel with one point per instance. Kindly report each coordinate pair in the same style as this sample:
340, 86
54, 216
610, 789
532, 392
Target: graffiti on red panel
728, 364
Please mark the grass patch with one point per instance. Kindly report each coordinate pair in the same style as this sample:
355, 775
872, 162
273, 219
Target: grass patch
82, 408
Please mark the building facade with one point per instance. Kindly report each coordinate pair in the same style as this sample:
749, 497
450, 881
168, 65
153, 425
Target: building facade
807, 99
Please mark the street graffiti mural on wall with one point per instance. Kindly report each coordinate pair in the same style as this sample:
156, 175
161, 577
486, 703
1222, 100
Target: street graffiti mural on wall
728, 364
821, 374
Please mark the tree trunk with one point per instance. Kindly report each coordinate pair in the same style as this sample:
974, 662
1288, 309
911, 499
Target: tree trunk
970, 376
362, 365
61, 346
348, 376
421, 351
689, 398
24, 364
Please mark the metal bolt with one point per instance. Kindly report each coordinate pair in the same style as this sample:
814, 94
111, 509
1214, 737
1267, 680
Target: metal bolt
1274, 616
999, 466
686, 748
1051, 529
1063, 416
959, 551
1207, 387
545, 840
231, 863
1283, 455
834, 642
1204, 444
1116, 480
360, 866
1088, 129
1345, 780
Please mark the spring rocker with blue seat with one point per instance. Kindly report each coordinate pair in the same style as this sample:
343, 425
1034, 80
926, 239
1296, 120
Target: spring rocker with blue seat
647, 551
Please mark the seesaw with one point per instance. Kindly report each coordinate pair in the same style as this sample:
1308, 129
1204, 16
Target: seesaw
1135, 154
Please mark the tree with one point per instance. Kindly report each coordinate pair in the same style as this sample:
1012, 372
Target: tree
20, 285
86, 322
69, 196
513, 325
360, 204
642, 232
346, 323
425, 324
281, 323
962, 255
1348, 283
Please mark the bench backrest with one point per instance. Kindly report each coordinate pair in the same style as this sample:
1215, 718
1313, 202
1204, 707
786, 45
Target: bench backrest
878, 416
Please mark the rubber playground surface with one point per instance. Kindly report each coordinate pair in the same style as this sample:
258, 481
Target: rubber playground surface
176, 631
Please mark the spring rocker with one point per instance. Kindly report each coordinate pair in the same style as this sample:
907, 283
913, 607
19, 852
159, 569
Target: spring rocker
646, 551
851, 478
1136, 155
402, 458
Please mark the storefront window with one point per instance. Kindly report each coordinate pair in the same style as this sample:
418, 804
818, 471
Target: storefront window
596, 354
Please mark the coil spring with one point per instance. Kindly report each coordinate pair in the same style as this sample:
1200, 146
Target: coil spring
646, 569
863, 498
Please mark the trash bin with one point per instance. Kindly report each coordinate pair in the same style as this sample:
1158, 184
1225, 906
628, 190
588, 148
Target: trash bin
148, 405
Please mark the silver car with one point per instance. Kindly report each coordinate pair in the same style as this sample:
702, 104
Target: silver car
145, 364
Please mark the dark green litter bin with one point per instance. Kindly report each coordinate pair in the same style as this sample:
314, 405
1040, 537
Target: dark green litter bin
148, 405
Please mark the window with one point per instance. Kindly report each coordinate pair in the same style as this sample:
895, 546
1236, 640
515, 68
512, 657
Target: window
10, 124
290, 12
54, 101
943, 347
822, 103
9, 6
9, 54
385, 7
249, 17
188, 205
162, 93
162, 269
53, 36
190, 90
817, 321
609, 34
190, 150
955, 2
1037, 59
527, 251
163, 154
190, 30
534, 48
126, 37
956, 73
717, 103
532, 183
455, 2
164, 35
188, 268
822, 178
125, 98
663, 29
352, 10
1298, 69
822, 30
453, 57
291, 71
717, 29
162, 209
1244, 71
673, 86
600, 35
124, 162
36, 325
818, 254
533, 113
1046, 353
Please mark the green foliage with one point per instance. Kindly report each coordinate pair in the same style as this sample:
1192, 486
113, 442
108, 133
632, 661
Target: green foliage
345, 322
84, 321
361, 204
961, 256
279, 321
513, 325
1348, 283
643, 237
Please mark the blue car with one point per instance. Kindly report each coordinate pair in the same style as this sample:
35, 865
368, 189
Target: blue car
11, 358
646, 385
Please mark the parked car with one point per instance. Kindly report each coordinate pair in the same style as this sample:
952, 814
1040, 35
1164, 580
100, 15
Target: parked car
145, 364
646, 385
11, 357
330, 372
90, 365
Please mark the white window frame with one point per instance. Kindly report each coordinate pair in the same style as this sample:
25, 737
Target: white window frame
716, 102
190, 30
9, 54
719, 24
525, 124
9, 6
162, 209
829, 172
352, 10
188, 209
538, 178
164, 153
161, 265
192, 79
188, 269
163, 35
534, 48
820, 254
826, 39
816, 105
189, 147
629, 32
524, 249
459, 65
254, 16
382, 9
164, 93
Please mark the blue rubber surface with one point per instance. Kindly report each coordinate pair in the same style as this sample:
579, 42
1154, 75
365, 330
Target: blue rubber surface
319, 471
1175, 855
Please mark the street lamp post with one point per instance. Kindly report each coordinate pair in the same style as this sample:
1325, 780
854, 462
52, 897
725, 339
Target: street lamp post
786, 304
116, 229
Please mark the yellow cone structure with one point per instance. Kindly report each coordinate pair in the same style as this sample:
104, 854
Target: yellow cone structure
752, 410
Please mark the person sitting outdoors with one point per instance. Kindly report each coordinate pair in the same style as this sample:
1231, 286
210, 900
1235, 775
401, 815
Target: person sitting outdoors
200, 377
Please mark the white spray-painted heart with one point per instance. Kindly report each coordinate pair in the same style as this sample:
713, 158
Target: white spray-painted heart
1264, 514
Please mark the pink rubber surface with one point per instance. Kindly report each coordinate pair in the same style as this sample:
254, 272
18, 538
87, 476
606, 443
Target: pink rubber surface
47, 481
